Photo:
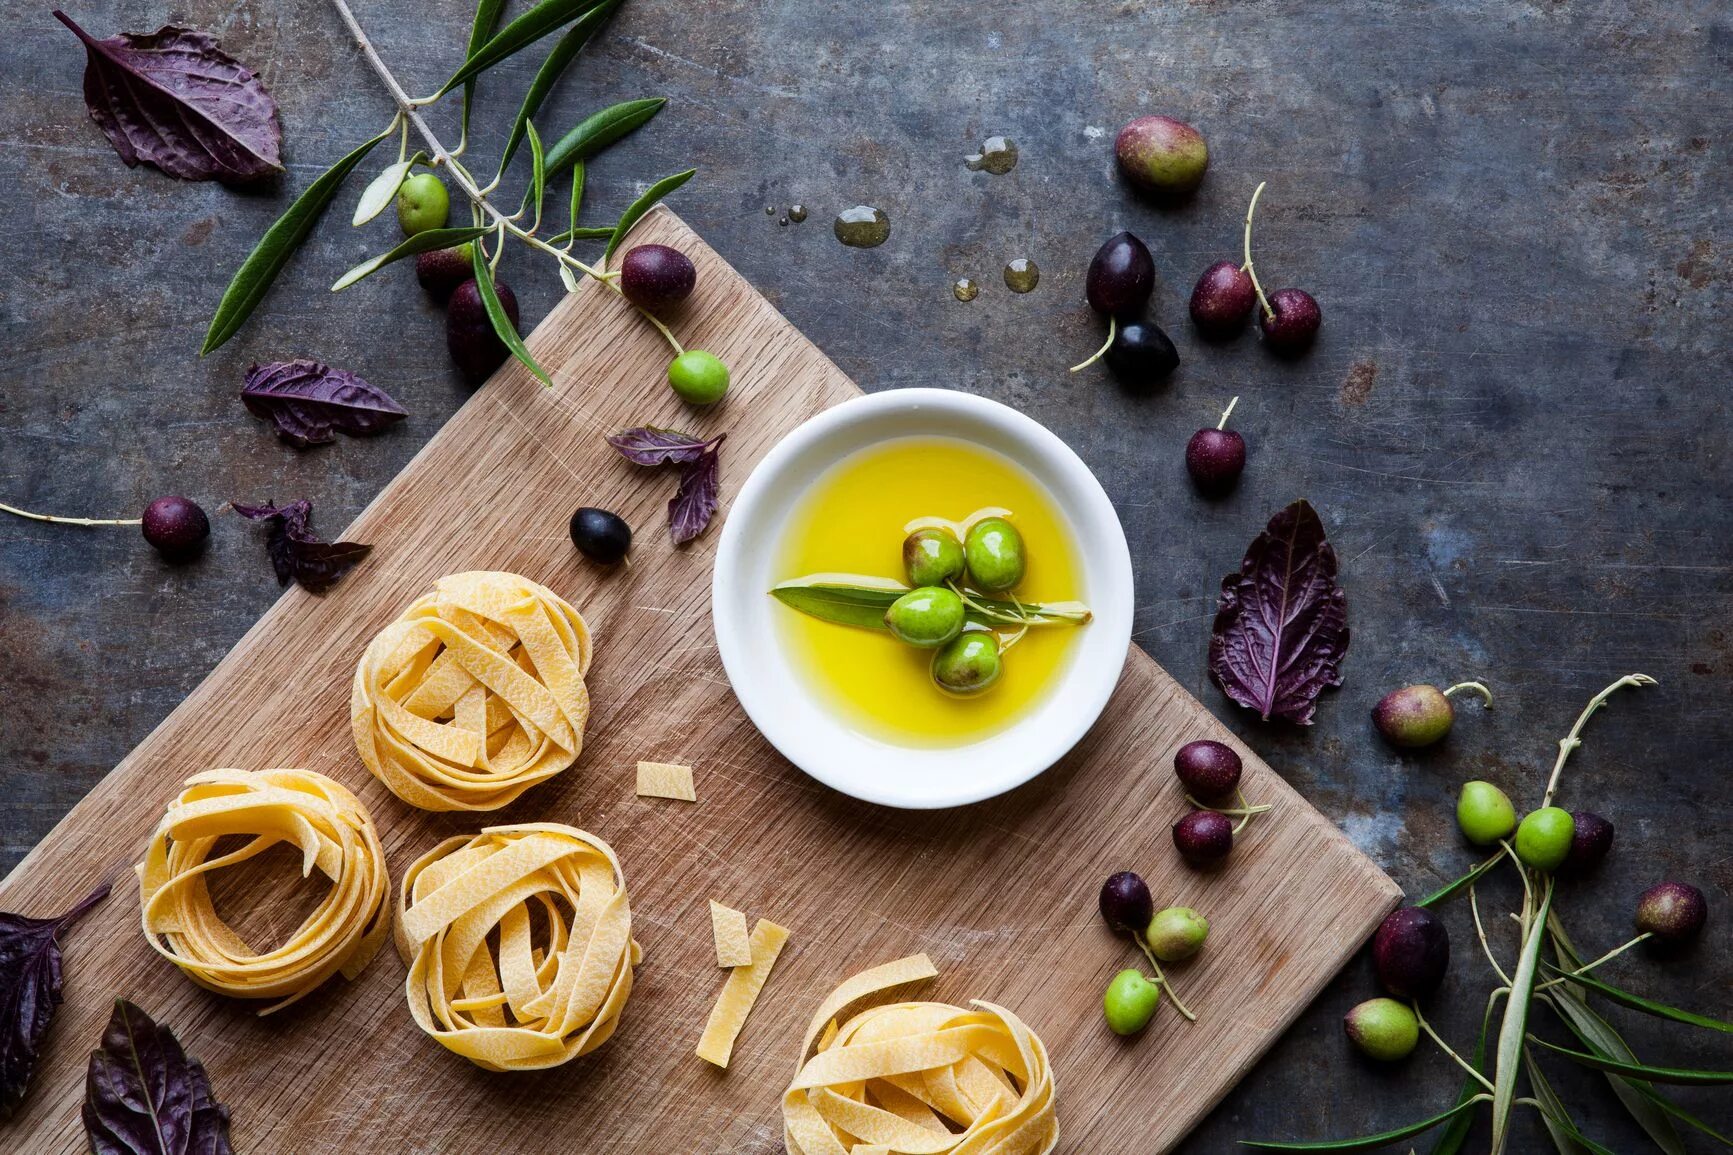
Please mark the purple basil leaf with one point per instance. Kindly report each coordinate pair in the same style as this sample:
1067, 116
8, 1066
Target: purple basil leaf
690, 511
648, 445
30, 992
296, 552
311, 403
174, 99
143, 1095
1282, 626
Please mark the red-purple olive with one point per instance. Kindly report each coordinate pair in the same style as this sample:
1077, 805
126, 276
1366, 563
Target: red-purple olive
175, 527
1141, 354
1294, 324
1414, 716
1222, 301
1590, 842
443, 270
1672, 911
1215, 458
469, 335
1121, 277
1208, 769
1411, 952
1162, 155
1383, 1029
1204, 837
656, 277
1126, 903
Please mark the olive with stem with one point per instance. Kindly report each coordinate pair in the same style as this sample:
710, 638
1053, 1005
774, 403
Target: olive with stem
176, 527
1216, 457
1290, 318
1421, 715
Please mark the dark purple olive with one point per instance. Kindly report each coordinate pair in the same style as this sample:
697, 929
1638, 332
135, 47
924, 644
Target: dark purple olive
1411, 952
1215, 458
443, 270
1223, 300
1203, 837
1672, 911
656, 277
1295, 324
1591, 839
1141, 354
1162, 155
1126, 903
175, 527
469, 335
601, 536
1209, 769
1121, 277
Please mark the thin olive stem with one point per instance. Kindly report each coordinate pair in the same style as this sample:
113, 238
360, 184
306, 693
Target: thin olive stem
1527, 887
1574, 739
498, 251
1587, 967
12, 509
1480, 932
1226, 413
1155, 965
1445, 1047
1475, 687
1112, 331
1251, 271
1232, 811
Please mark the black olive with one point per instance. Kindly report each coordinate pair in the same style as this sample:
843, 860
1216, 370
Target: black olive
601, 536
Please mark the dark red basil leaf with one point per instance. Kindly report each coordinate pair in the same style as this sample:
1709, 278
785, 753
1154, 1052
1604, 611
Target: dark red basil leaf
648, 445
296, 552
690, 511
174, 99
30, 992
144, 1095
1282, 627
311, 403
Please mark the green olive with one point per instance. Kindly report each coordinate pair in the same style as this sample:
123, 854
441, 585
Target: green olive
1544, 838
932, 557
1383, 1029
699, 378
1177, 933
927, 617
1130, 1002
422, 204
969, 663
1484, 812
994, 550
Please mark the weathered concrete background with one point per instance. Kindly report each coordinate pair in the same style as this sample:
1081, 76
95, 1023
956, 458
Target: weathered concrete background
1515, 423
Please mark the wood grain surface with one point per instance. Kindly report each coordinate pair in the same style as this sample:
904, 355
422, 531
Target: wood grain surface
1001, 894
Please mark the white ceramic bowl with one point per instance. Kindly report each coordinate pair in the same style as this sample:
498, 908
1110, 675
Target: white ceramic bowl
794, 718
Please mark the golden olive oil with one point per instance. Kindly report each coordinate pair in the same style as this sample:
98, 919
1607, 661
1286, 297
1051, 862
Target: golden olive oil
853, 521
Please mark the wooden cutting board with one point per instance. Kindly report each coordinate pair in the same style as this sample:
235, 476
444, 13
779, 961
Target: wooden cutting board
1002, 895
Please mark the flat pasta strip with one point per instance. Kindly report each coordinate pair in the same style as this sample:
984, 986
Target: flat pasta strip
739, 993
918, 1078
336, 837
666, 780
474, 694
728, 928
528, 1003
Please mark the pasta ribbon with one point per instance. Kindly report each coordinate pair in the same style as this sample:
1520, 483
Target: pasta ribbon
335, 835
918, 1078
474, 694
552, 983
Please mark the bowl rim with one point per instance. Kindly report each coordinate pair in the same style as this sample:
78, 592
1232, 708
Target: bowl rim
1108, 564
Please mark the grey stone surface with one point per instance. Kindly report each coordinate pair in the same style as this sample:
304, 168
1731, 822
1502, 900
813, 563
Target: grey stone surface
1515, 422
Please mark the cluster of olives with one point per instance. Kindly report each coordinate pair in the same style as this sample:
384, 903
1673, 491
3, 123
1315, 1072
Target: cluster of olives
1227, 292
933, 615
1210, 772
1118, 285
657, 279
1165, 936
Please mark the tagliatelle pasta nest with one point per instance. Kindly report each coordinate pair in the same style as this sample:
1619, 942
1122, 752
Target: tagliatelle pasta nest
918, 1078
335, 835
473, 695
554, 987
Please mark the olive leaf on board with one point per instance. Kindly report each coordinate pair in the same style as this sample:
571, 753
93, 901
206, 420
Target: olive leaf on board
1281, 629
175, 100
296, 552
144, 1095
30, 983
700, 462
310, 403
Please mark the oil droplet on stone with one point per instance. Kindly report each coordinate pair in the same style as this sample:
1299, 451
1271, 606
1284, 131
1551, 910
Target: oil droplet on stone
1021, 275
769, 210
783, 221
998, 156
797, 213
965, 289
862, 227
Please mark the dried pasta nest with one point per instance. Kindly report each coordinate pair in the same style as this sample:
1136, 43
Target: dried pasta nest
336, 837
519, 945
919, 1078
473, 695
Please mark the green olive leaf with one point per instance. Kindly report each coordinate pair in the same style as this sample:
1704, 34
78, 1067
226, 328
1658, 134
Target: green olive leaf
480, 29
577, 198
1553, 1112
1369, 1142
1462, 883
1680, 1113
643, 205
1625, 998
556, 63
538, 172
1683, 1076
568, 278
519, 34
860, 601
600, 129
496, 313
376, 197
253, 279
1511, 1032
425, 241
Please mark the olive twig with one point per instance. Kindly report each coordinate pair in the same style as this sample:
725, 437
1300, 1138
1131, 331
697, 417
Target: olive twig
985, 611
1574, 739
1480, 932
1446, 1048
1587, 967
1155, 965
1477, 687
12, 509
1250, 271
1112, 331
